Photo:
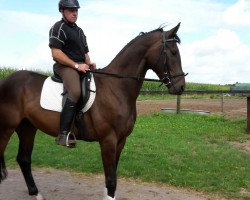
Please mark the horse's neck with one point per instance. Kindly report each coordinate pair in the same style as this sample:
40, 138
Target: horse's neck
130, 65
135, 67
131, 62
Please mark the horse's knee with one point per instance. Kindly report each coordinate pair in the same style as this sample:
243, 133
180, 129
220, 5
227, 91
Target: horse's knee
23, 156
23, 163
111, 186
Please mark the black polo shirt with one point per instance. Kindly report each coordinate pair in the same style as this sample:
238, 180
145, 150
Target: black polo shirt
70, 39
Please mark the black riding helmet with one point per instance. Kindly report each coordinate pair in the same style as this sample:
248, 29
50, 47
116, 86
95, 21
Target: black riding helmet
68, 4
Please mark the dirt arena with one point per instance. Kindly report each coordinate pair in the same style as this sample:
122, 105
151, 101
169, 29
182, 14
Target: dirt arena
62, 185
232, 107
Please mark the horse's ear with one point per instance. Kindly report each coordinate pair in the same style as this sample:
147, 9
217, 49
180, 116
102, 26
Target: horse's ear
174, 30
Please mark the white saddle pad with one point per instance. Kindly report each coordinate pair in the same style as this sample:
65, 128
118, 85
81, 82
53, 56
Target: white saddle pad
51, 96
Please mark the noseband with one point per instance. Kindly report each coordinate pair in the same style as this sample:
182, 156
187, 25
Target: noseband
166, 80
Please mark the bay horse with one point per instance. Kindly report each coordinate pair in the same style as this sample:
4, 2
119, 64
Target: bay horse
20, 110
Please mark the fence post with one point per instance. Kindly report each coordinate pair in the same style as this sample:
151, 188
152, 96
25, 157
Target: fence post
248, 114
178, 106
222, 102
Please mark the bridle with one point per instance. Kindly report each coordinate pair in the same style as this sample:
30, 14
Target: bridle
166, 80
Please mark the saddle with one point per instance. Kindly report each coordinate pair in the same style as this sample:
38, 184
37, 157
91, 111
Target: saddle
53, 97
85, 80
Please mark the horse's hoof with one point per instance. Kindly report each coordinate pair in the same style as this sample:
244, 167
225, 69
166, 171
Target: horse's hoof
39, 197
106, 197
109, 198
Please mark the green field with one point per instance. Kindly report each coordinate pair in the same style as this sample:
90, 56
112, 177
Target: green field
186, 150
149, 86
5, 71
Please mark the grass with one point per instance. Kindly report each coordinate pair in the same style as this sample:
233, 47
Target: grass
153, 86
184, 150
204, 86
5, 71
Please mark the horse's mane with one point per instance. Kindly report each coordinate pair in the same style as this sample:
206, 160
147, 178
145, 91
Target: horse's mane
143, 34
137, 37
155, 30
160, 28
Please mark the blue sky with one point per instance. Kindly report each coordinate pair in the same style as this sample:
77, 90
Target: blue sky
215, 33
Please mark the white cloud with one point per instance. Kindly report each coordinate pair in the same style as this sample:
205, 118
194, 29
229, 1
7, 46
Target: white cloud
25, 37
220, 58
15, 22
109, 25
212, 50
238, 14
41, 58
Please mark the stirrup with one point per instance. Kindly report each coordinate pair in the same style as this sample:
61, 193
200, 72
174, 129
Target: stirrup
71, 140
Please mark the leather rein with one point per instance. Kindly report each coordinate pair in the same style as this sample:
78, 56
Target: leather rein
137, 78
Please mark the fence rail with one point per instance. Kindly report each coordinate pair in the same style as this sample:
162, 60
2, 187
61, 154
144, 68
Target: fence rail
199, 92
221, 92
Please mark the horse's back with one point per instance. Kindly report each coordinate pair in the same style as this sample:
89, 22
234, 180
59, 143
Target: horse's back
19, 86
20, 79
23, 75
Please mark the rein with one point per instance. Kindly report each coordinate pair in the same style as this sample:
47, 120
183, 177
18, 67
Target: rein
165, 80
137, 78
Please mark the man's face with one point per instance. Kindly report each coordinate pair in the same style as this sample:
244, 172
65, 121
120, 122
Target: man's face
70, 14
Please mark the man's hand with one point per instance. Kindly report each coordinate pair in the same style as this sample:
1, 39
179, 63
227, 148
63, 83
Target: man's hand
83, 68
92, 65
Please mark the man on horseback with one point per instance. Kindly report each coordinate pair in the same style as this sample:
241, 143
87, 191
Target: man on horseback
69, 50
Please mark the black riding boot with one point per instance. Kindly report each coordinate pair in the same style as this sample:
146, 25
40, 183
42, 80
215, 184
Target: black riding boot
65, 138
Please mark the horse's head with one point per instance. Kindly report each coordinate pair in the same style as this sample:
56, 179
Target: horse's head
164, 59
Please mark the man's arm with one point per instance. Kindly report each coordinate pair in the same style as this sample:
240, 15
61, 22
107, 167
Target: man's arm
62, 58
88, 61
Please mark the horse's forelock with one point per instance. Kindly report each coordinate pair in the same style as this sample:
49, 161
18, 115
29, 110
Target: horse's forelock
178, 39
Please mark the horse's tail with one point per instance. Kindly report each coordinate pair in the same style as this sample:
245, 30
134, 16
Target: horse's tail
3, 170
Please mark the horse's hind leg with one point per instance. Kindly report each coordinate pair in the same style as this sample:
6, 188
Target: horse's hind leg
26, 133
5, 134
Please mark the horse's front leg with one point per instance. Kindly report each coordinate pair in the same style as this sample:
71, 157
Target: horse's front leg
26, 133
119, 149
108, 151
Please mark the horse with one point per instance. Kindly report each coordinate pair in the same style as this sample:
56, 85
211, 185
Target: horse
20, 110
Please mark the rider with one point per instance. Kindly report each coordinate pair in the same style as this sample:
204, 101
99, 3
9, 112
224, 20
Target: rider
69, 50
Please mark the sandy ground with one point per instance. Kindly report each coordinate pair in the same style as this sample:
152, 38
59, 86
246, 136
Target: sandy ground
232, 107
62, 185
